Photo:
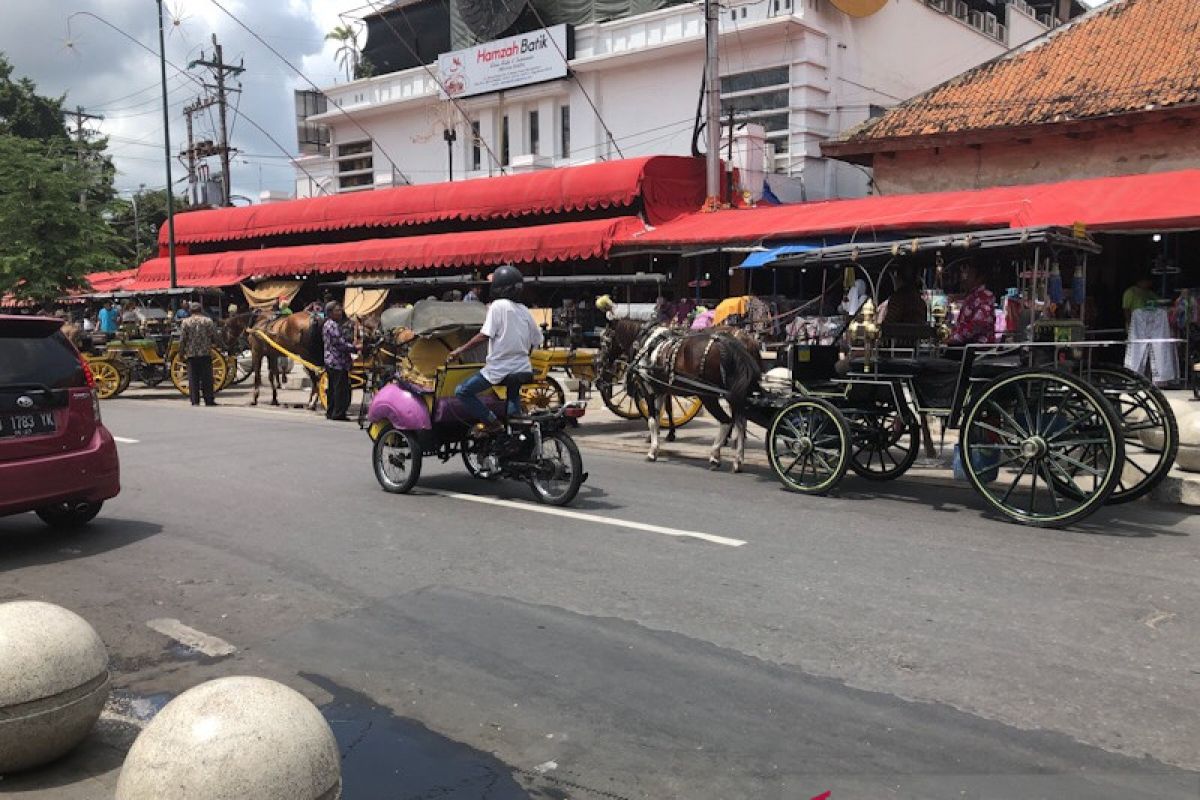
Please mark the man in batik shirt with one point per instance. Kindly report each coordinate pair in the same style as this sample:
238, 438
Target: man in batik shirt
339, 356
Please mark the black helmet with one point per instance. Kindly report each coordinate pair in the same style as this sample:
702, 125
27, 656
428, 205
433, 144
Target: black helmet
506, 283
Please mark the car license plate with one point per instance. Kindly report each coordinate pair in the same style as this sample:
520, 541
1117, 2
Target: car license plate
33, 424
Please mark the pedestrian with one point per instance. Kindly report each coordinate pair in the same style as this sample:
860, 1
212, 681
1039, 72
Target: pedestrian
472, 296
197, 334
110, 319
182, 313
976, 321
339, 354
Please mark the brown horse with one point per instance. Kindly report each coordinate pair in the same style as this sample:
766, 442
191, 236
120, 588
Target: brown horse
714, 365
299, 335
617, 345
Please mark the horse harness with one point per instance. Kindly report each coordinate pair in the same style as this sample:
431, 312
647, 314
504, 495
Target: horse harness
658, 347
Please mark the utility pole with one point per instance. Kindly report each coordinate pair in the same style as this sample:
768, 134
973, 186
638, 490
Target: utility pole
81, 137
219, 70
729, 161
162, 62
712, 91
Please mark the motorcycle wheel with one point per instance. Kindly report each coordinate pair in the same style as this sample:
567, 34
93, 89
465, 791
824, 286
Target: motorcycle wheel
397, 461
560, 471
472, 461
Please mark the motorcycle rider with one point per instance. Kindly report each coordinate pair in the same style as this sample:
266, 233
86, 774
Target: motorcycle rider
511, 332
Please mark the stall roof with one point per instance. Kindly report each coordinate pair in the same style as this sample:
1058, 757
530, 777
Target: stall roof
1055, 237
109, 281
563, 241
665, 186
1135, 203
636, 279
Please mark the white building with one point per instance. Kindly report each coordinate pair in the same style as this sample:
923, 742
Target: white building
803, 70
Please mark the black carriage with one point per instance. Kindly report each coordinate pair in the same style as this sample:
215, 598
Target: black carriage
1047, 432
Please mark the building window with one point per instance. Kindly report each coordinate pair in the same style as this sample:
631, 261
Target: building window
761, 97
310, 136
534, 133
504, 141
564, 131
355, 165
476, 148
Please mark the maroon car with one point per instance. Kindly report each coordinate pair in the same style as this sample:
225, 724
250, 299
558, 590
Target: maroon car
56, 458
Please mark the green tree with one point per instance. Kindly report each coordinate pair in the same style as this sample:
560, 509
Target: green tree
47, 242
347, 53
132, 242
25, 113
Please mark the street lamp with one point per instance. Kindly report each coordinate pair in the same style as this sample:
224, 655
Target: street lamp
137, 225
450, 134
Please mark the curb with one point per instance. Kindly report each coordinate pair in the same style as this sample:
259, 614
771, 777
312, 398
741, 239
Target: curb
1175, 490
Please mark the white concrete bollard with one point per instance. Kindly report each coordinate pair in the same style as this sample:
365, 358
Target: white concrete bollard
53, 682
233, 739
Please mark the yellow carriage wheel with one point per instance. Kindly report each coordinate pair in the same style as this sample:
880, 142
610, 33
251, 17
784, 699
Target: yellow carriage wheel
108, 378
616, 399
179, 372
230, 362
544, 395
683, 411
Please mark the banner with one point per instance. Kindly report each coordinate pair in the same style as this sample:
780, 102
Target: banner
504, 63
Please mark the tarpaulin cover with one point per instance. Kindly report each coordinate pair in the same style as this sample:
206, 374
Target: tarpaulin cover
1168, 200
563, 241
667, 186
266, 293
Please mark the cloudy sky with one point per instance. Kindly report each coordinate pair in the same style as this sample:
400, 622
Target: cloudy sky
100, 69
95, 66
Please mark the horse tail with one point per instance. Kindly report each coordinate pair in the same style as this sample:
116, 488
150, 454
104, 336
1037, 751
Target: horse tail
741, 370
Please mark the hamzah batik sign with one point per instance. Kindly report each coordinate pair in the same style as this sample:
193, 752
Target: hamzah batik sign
505, 63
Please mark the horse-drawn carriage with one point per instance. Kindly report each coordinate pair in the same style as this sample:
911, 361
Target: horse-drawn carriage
146, 349
1046, 434
415, 415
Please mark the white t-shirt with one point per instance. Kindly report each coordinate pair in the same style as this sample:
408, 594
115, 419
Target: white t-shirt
512, 333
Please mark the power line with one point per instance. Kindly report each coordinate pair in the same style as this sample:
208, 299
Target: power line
607, 131
196, 80
453, 100
297, 70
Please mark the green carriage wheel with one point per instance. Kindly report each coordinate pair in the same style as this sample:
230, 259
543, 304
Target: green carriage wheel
1024, 442
808, 446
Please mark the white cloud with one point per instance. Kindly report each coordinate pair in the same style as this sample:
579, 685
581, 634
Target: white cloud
103, 71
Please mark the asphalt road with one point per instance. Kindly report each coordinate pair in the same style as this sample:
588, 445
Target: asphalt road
893, 641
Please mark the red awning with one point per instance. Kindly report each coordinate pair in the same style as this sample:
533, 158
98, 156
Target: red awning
564, 241
1169, 200
666, 185
109, 281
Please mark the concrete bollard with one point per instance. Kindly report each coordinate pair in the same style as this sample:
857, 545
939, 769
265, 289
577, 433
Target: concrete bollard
53, 682
232, 739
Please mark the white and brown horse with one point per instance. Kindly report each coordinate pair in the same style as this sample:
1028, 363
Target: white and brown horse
717, 364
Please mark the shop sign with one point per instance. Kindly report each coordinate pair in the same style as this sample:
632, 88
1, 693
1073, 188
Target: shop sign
505, 63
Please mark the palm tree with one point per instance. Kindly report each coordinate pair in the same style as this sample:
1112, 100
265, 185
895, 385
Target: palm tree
347, 53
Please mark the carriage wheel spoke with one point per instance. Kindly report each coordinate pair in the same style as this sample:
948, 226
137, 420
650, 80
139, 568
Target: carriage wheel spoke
1013, 486
1079, 465
1065, 476
1049, 487
1020, 431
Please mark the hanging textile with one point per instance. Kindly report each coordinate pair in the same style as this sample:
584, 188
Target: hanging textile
361, 303
730, 307
266, 293
1150, 345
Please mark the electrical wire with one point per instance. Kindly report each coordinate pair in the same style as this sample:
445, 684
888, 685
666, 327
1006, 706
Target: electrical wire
453, 100
599, 117
297, 70
199, 82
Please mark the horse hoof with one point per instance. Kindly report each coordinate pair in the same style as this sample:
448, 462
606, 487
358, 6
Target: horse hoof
736, 467
713, 466
671, 437
651, 457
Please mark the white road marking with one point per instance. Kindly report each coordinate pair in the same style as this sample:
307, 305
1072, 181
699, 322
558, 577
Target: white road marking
124, 440
579, 515
199, 641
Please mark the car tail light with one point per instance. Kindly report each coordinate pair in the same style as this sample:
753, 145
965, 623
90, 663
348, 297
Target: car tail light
91, 382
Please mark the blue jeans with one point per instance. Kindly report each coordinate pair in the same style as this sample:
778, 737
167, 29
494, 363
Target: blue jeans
468, 393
